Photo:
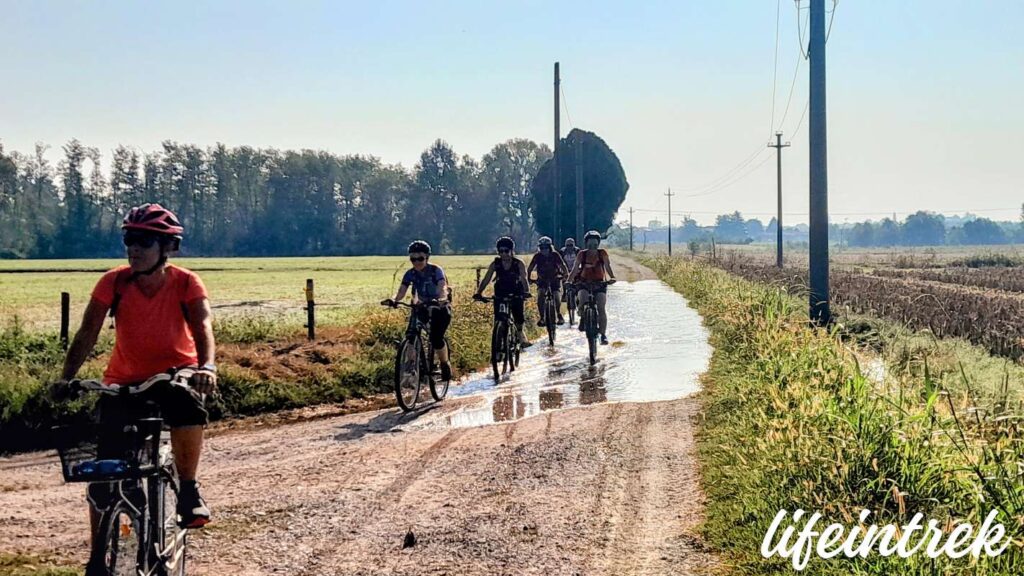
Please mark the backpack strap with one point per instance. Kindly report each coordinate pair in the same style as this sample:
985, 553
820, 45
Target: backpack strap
123, 278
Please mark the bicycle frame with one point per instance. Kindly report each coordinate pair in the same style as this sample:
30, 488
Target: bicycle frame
149, 479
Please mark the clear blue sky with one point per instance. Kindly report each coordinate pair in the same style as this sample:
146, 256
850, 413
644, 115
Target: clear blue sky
925, 96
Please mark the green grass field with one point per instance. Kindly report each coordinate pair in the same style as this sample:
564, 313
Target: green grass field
269, 287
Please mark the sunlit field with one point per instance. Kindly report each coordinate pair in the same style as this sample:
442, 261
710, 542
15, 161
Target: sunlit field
270, 287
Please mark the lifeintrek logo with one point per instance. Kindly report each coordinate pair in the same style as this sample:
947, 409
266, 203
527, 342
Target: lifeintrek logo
802, 537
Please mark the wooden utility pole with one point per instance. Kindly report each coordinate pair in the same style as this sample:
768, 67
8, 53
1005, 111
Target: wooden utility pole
778, 221
579, 188
819, 299
669, 194
557, 188
630, 229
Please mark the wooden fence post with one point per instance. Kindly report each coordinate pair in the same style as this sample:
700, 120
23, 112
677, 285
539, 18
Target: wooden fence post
65, 316
310, 310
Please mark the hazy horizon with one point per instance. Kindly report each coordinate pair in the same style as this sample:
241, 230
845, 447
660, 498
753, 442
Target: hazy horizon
923, 97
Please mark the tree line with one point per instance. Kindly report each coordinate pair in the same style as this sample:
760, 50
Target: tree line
246, 201
919, 229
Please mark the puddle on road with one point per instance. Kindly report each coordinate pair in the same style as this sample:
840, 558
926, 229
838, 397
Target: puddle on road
658, 349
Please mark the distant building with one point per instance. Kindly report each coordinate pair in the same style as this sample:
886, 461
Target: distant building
655, 224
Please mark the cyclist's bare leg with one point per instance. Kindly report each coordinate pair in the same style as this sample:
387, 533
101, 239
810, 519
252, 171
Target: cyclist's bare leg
602, 317
187, 445
442, 354
581, 297
557, 295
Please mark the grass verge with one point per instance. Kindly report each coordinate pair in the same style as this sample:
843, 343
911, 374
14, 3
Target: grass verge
792, 422
262, 369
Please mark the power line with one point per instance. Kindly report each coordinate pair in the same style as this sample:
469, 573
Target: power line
724, 186
799, 31
775, 71
792, 86
835, 4
565, 104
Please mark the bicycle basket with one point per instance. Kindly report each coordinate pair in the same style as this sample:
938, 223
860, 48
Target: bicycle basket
106, 452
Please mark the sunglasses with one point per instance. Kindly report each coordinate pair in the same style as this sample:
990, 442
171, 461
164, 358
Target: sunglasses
140, 240
417, 258
504, 251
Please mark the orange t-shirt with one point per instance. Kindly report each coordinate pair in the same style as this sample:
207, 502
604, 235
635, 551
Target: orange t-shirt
592, 268
152, 334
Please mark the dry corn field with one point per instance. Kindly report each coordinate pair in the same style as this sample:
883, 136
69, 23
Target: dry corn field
1000, 278
987, 317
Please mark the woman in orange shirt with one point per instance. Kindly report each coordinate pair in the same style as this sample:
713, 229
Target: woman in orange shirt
591, 267
163, 321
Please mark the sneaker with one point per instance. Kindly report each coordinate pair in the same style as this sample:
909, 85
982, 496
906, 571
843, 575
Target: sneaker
561, 320
446, 372
192, 510
604, 339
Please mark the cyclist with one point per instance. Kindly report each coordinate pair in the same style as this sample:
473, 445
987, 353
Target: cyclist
430, 287
550, 271
592, 265
511, 280
163, 322
569, 252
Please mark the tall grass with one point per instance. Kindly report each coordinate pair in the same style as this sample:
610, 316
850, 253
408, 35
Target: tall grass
31, 360
791, 422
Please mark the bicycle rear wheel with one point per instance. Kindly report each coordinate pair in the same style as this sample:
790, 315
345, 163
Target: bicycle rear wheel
438, 385
407, 373
121, 545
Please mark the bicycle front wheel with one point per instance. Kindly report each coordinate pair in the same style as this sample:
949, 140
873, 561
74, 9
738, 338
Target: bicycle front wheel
407, 373
120, 546
172, 536
589, 321
498, 342
552, 316
438, 384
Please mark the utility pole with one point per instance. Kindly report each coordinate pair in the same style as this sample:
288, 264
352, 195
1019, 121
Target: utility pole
819, 299
557, 188
669, 194
778, 148
631, 229
579, 187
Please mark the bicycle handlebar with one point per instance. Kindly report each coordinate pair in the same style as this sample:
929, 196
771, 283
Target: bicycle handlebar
177, 378
486, 300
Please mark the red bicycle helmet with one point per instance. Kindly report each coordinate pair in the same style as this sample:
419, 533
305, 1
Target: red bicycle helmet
153, 218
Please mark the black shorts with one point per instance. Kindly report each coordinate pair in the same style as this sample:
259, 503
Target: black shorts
178, 406
554, 283
439, 317
515, 307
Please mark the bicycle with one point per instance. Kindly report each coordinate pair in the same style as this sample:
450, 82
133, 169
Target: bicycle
138, 530
589, 317
570, 302
549, 308
506, 340
414, 360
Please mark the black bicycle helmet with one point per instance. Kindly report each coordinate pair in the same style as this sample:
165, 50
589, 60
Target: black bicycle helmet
592, 234
419, 246
505, 242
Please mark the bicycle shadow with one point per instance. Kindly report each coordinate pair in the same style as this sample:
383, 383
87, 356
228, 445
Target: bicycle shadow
384, 422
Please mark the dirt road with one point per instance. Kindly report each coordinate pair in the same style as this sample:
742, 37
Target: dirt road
604, 488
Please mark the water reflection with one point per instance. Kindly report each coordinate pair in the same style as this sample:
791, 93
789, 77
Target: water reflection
659, 348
